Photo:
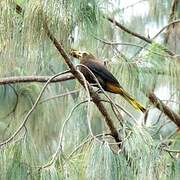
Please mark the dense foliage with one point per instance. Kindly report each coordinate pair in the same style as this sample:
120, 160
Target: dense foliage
65, 137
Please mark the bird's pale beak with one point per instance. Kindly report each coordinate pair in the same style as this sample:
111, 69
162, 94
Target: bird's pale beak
75, 53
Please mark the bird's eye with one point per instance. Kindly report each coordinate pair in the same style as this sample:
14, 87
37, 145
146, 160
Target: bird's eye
85, 54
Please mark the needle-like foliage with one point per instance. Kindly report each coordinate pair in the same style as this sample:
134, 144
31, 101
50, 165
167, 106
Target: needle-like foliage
65, 136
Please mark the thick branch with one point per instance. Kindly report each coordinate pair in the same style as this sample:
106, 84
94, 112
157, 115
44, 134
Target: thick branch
24, 79
164, 108
68, 76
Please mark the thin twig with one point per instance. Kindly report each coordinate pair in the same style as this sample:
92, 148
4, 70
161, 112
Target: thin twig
88, 101
59, 148
162, 126
176, 102
123, 109
166, 26
85, 142
132, 5
59, 96
128, 44
171, 150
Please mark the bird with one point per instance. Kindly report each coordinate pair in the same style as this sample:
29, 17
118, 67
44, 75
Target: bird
106, 79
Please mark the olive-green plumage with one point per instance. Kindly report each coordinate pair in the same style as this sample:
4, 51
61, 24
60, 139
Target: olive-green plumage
106, 79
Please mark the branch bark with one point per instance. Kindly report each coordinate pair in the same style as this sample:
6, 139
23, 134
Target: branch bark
25, 79
164, 108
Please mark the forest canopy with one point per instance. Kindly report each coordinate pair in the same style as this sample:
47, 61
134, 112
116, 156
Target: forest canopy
55, 123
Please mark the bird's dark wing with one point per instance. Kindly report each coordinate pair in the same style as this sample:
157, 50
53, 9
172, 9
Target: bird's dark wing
100, 71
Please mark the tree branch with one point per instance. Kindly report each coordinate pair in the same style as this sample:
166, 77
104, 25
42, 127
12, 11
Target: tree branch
65, 77
172, 17
166, 27
113, 21
164, 108
25, 79
136, 34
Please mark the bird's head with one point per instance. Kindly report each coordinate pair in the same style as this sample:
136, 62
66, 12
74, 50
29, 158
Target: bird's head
81, 54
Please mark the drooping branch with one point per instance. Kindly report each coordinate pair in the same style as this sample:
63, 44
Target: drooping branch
29, 112
166, 27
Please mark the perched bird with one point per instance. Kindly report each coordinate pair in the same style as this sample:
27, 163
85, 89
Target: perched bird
105, 77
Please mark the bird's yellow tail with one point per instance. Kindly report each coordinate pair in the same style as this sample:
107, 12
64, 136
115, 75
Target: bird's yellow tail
132, 101
119, 90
